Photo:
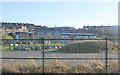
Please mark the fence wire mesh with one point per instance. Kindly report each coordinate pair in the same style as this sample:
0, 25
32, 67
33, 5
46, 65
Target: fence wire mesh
59, 56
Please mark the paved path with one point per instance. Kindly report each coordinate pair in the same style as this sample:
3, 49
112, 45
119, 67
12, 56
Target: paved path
37, 54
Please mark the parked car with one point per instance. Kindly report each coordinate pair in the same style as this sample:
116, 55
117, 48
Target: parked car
19, 48
38, 48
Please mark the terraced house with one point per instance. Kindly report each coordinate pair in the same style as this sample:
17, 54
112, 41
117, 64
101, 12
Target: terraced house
31, 31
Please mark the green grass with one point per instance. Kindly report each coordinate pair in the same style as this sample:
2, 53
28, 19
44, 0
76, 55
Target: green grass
7, 37
9, 47
88, 47
75, 47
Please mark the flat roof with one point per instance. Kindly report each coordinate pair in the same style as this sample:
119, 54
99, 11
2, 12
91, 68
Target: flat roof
78, 34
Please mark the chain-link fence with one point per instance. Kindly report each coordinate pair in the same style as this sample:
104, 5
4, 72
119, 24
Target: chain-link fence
59, 56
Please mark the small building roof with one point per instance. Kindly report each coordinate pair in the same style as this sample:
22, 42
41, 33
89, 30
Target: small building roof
79, 34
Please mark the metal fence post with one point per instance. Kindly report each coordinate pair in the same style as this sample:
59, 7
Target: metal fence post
29, 43
106, 56
43, 42
9, 45
13, 45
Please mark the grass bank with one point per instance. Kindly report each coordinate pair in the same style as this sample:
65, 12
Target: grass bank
94, 46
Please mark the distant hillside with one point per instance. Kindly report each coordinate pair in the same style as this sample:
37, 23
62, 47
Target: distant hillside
87, 47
